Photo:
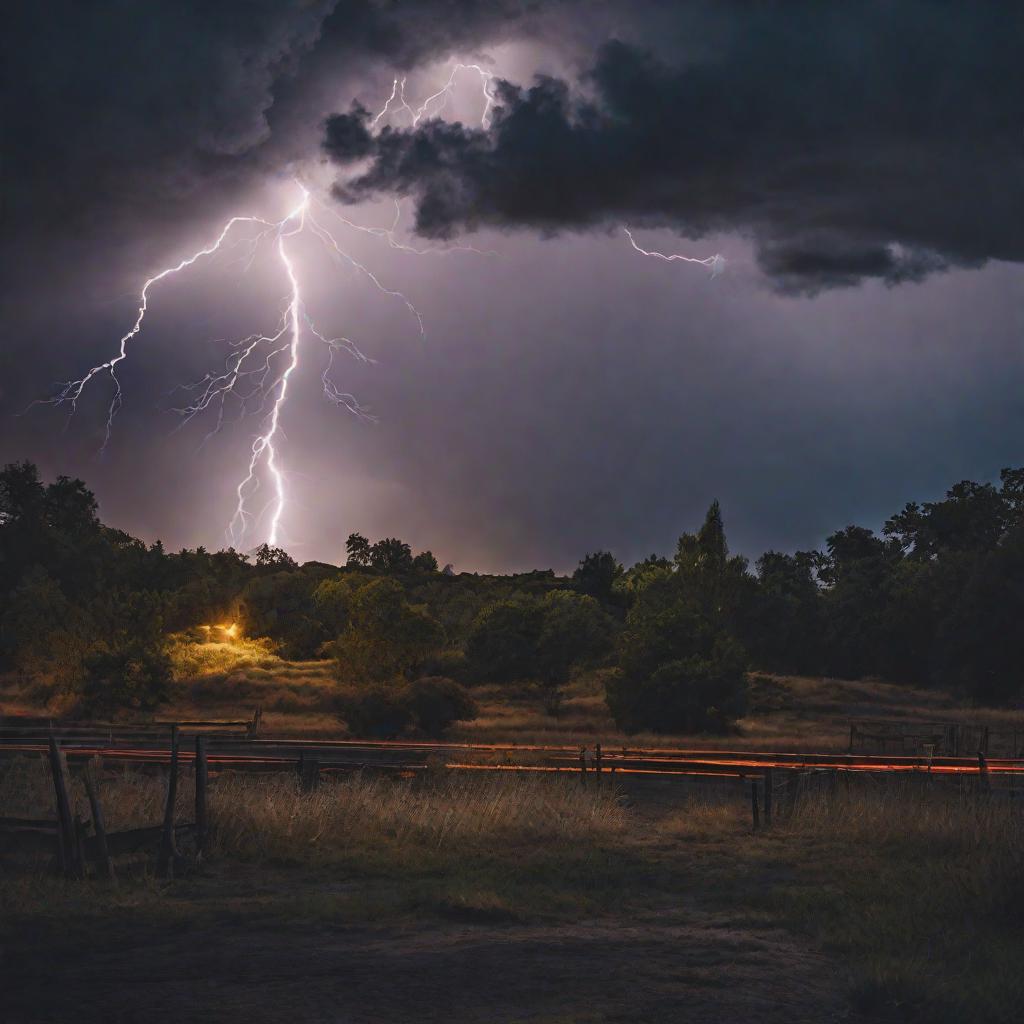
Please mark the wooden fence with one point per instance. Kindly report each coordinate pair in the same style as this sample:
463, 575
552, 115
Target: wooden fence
948, 739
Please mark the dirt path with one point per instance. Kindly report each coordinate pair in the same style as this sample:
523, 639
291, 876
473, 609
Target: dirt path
703, 971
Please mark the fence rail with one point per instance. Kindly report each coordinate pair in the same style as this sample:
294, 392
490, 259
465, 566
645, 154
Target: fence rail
949, 739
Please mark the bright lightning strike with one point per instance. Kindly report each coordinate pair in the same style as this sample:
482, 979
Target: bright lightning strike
258, 372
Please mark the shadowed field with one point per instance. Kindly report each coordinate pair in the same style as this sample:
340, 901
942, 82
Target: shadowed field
531, 899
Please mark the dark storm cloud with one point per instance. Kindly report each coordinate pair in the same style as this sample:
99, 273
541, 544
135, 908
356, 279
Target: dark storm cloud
869, 140
129, 108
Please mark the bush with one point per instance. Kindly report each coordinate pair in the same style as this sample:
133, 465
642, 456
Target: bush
378, 711
386, 710
436, 702
136, 677
694, 694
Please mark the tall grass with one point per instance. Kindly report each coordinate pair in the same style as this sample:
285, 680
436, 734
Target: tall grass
923, 889
268, 818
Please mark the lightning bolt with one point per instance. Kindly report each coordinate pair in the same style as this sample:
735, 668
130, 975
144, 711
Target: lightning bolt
435, 104
259, 370
716, 263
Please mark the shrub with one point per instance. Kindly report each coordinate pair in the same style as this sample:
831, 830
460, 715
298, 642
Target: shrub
436, 702
378, 711
136, 676
694, 694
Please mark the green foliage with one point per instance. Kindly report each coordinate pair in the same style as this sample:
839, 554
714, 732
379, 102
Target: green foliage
280, 605
502, 645
377, 711
693, 694
357, 549
436, 703
384, 710
384, 636
424, 562
37, 609
391, 555
574, 631
597, 575
934, 600
681, 669
136, 677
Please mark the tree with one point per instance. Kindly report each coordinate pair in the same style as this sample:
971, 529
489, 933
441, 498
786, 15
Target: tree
274, 559
502, 643
280, 606
574, 631
681, 667
786, 629
425, 562
357, 548
385, 636
36, 611
597, 574
391, 555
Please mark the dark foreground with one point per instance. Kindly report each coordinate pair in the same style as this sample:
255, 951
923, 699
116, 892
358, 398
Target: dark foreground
686, 965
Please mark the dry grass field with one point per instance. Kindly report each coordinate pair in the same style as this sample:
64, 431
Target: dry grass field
532, 898
785, 713
869, 902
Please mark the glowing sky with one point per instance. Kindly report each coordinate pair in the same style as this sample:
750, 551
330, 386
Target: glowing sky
861, 169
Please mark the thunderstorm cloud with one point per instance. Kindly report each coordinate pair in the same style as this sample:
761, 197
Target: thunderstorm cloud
850, 141
864, 159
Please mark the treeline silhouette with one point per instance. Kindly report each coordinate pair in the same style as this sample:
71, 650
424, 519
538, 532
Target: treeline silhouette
934, 599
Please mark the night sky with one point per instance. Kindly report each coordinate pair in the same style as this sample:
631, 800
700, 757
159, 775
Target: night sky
859, 166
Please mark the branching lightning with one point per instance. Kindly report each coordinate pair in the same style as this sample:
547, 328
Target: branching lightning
257, 373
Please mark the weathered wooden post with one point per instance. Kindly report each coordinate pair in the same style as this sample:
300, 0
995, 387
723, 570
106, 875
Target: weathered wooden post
67, 842
310, 774
984, 784
105, 865
853, 734
597, 761
768, 786
583, 765
753, 804
168, 848
201, 780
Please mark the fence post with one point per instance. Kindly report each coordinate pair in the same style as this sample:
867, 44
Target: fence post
102, 853
65, 826
168, 849
768, 786
753, 804
310, 774
597, 761
583, 765
853, 733
201, 780
984, 785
